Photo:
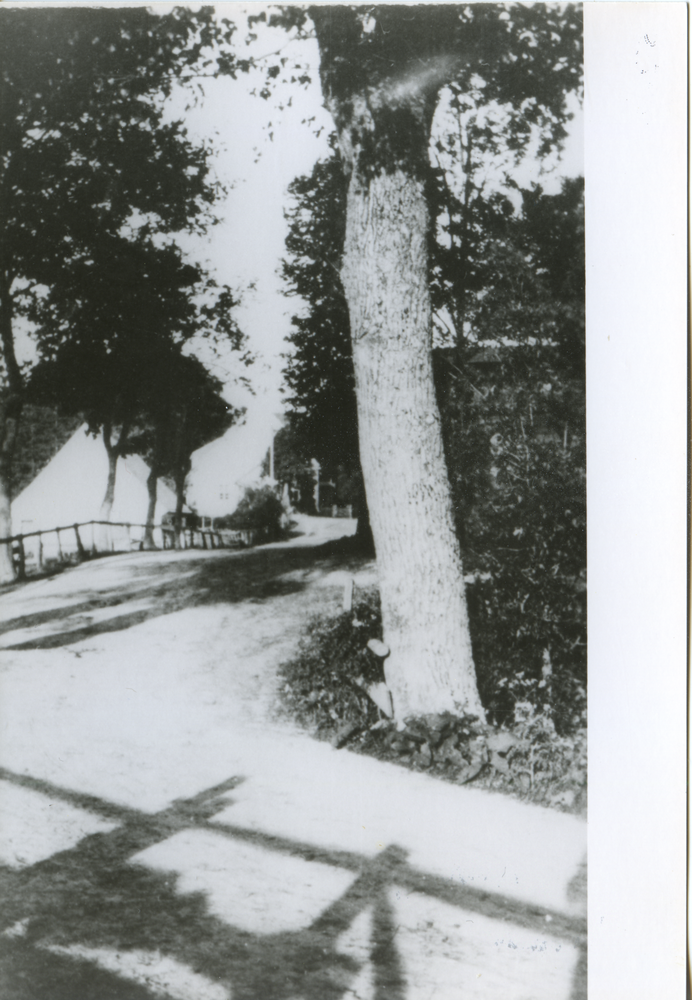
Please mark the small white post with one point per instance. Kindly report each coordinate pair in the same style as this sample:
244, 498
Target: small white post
348, 594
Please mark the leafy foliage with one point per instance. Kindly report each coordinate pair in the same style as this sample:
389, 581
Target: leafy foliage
320, 687
526, 57
112, 336
91, 171
319, 372
325, 689
259, 508
182, 410
525, 537
514, 426
83, 95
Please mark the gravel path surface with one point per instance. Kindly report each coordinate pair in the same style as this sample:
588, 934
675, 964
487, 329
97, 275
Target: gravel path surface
164, 835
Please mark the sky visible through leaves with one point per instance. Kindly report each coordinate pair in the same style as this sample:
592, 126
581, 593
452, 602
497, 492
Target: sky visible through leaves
262, 146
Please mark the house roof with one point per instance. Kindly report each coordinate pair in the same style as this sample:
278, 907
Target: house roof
71, 487
223, 468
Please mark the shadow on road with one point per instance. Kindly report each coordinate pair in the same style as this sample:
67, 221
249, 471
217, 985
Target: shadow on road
93, 901
161, 586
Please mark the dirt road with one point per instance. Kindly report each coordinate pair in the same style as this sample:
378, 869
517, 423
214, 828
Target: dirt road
164, 835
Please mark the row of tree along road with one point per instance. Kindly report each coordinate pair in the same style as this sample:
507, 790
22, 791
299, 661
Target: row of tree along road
95, 186
406, 232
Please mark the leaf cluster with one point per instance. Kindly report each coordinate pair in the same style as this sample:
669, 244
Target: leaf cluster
394, 60
84, 141
319, 372
515, 444
259, 508
324, 689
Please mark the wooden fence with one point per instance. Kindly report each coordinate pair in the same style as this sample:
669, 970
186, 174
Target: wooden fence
87, 539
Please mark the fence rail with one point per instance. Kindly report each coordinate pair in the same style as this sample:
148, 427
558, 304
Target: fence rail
114, 536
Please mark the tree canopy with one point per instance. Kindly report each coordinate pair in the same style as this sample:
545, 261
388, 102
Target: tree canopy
113, 340
383, 71
496, 275
319, 371
92, 171
85, 147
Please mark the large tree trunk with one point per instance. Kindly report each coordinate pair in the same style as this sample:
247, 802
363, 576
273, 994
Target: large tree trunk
7, 570
113, 450
385, 277
382, 95
179, 477
103, 534
152, 490
10, 414
10, 411
109, 496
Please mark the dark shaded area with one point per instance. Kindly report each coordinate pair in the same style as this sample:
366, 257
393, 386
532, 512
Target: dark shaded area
42, 433
91, 896
27, 972
208, 579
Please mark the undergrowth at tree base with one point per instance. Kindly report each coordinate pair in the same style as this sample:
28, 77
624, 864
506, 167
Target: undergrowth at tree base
325, 689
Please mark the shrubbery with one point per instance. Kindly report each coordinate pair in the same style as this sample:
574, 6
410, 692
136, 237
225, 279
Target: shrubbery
515, 443
517, 465
260, 509
325, 689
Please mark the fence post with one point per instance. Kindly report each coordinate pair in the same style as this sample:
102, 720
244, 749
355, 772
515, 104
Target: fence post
204, 540
81, 554
60, 555
39, 554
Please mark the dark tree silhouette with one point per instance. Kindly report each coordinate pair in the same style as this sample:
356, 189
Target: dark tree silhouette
85, 151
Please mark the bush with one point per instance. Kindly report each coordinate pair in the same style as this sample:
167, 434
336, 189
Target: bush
321, 688
515, 447
260, 509
515, 444
324, 689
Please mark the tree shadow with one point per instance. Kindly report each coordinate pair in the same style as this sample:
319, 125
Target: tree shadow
28, 972
168, 586
93, 899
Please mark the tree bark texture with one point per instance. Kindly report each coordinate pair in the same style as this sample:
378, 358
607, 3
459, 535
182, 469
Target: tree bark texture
10, 411
381, 74
152, 490
7, 571
109, 496
385, 277
113, 451
10, 415
103, 534
179, 477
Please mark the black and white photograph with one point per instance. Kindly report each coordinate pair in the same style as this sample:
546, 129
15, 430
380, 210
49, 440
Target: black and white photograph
303, 310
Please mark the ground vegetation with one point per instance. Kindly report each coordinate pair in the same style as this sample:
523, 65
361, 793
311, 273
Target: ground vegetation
532, 744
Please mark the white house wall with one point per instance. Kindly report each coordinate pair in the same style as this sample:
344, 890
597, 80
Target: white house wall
222, 469
70, 489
